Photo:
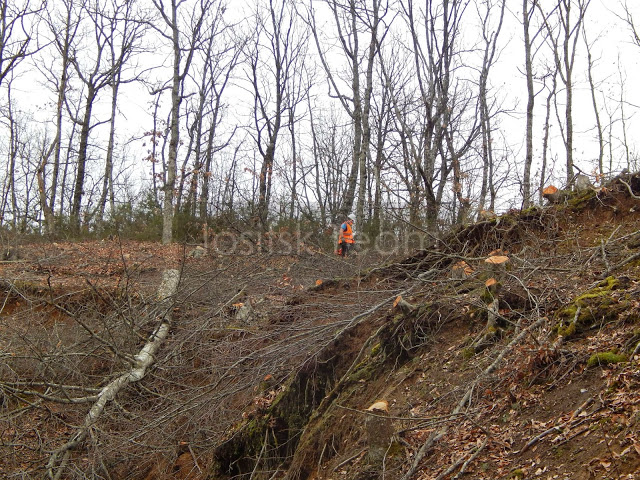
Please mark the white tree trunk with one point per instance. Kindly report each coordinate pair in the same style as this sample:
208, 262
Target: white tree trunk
143, 360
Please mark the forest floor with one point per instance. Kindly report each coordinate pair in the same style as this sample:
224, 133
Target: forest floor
273, 358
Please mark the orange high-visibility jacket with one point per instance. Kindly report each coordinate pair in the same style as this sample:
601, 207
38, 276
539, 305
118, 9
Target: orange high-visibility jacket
346, 233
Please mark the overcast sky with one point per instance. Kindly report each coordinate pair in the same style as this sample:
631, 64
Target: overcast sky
613, 53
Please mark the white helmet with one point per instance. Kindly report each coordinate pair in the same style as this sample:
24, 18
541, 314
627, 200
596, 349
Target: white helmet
352, 218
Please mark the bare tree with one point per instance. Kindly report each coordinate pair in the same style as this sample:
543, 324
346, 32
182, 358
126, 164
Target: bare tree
298, 92
529, 7
330, 142
181, 25
437, 115
18, 24
274, 60
123, 34
63, 25
220, 67
382, 114
95, 76
10, 188
629, 20
490, 40
594, 101
623, 117
565, 42
352, 19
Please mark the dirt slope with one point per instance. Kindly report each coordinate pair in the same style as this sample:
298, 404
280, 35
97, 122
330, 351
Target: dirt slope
547, 389
533, 377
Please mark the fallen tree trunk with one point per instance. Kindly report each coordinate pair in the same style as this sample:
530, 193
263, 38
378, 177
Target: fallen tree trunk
143, 360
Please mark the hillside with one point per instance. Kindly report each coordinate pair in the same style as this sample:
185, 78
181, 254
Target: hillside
520, 367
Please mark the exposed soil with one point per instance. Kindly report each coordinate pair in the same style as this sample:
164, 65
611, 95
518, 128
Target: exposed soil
273, 358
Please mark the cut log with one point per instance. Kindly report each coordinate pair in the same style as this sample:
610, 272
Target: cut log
493, 286
497, 260
583, 184
379, 406
197, 252
486, 215
244, 312
498, 265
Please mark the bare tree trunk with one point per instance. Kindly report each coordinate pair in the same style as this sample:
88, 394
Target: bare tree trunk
528, 161
13, 153
63, 43
350, 19
545, 136
594, 102
294, 164
85, 128
287, 49
564, 56
365, 151
119, 29
107, 181
490, 42
623, 119
316, 158
174, 129
183, 53
193, 149
143, 360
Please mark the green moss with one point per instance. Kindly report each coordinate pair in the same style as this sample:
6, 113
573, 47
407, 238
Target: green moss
605, 358
395, 449
375, 350
592, 306
362, 371
578, 200
609, 283
530, 210
568, 330
518, 473
468, 352
487, 297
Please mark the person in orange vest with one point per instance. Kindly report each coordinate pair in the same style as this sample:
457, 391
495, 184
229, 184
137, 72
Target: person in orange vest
346, 236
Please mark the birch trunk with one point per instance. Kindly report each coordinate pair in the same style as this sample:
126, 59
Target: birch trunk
143, 360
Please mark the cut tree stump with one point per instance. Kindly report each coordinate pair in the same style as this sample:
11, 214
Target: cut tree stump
461, 270
404, 306
553, 195
379, 431
497, 265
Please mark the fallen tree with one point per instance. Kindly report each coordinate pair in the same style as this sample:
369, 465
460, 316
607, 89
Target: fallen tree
143, 360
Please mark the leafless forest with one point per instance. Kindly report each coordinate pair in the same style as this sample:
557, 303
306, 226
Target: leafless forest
171, 118
172, 307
